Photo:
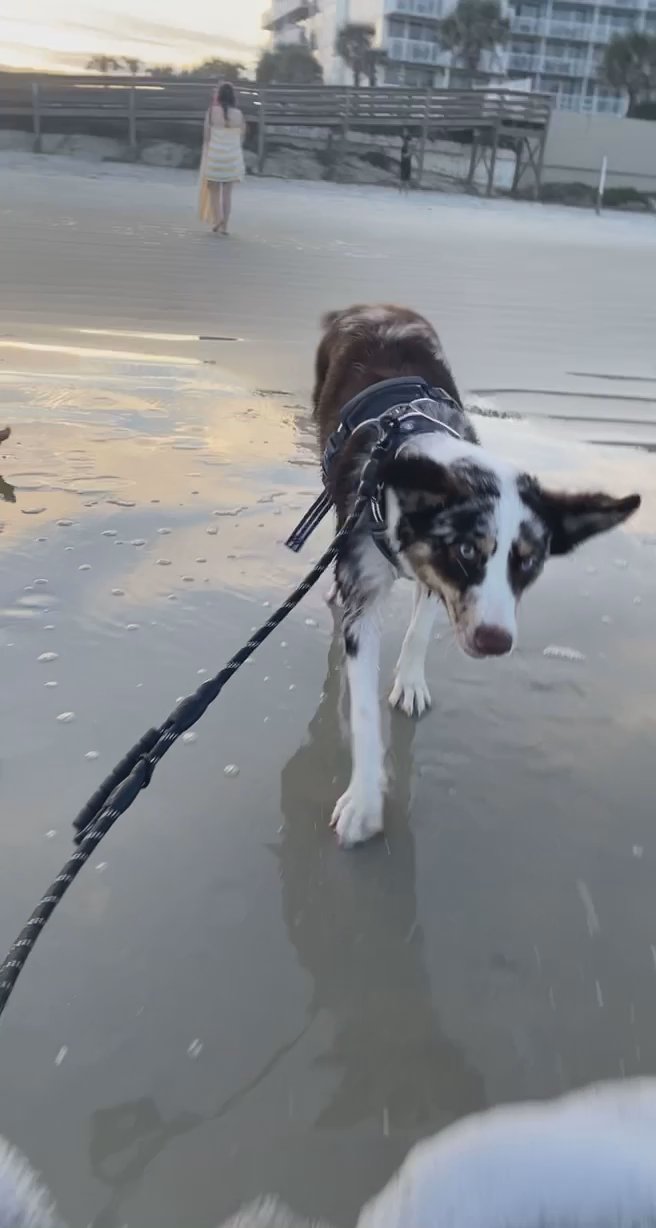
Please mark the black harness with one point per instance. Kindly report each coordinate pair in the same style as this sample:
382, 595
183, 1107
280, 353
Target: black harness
391, 406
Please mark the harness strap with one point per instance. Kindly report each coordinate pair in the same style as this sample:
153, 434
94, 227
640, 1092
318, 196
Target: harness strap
377, 406
308, 523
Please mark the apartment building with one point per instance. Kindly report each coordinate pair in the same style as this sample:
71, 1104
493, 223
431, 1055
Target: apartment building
286, 22
560, 46
406, 29
557, 45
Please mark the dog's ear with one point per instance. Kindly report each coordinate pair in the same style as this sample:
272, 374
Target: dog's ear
572, 518
421, 484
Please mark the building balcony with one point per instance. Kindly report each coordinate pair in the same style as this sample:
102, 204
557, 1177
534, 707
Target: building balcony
552, 65
427, 9
416, 51
602, 33
523, 61
285, 12
563, 66
633, 5
569, 29
588, 106
552, 28
527, 25
577, 31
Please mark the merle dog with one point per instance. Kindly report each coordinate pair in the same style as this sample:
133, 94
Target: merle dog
470, 529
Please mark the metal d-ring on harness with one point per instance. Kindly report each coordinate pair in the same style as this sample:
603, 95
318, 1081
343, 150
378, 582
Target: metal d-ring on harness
135, 770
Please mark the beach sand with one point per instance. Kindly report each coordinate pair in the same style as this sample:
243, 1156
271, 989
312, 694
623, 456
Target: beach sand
226, 1003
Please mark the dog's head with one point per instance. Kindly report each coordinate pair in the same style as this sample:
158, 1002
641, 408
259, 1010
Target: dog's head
477, 532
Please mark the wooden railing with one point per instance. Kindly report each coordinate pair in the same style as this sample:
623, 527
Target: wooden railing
489, 114
324, 106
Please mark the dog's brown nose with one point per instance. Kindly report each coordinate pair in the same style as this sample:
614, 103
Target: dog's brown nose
492, 641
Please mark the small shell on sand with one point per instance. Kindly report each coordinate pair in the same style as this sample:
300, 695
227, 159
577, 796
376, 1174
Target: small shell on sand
195, 1049
61, 1055
65, 718
48, 656
189, 736
562, 653
231, 769
91, 754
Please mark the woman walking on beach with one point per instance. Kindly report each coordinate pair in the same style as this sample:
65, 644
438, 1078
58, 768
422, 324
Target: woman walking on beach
222, 163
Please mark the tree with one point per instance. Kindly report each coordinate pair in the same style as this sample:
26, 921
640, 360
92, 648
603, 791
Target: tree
629, 64
473, 27
103, 63
133, 66
353, 45
162, 70
373, 59
293, 65
220, 70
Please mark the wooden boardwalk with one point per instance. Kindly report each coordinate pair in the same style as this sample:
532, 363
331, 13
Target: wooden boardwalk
492, 116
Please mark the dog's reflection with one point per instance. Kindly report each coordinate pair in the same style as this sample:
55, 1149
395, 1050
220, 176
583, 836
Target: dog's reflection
352, 918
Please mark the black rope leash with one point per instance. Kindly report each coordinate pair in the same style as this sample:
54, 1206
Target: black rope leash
135, 770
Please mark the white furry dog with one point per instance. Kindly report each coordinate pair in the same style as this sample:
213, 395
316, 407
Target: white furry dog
587, 1160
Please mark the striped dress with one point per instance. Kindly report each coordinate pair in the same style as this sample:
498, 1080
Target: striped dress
224, 160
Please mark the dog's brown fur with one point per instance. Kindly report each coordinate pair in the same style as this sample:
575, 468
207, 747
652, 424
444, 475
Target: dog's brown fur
362, 345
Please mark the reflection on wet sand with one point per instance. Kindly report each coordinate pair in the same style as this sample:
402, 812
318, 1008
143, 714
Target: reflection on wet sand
354, 925
124, 1140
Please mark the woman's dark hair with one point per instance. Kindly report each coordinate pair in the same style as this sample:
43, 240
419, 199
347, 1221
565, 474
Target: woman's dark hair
226, 98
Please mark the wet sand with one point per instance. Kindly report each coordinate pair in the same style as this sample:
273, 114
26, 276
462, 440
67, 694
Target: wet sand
501, 942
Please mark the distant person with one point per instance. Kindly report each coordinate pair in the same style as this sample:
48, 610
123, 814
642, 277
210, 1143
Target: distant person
406, 164
222, 164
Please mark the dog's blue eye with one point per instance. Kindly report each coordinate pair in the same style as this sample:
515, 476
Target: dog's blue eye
467, 551
527, 563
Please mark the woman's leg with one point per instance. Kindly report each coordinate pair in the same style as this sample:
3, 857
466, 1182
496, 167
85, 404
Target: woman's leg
215, 201
227, 204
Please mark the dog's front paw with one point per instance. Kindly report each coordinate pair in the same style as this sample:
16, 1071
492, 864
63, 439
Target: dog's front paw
357, 818
411, 694
332, 595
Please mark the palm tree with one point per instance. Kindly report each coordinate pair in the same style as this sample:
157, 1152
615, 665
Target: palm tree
473, 27
629, 64
373, 59
293, 65
354, 43
103, 63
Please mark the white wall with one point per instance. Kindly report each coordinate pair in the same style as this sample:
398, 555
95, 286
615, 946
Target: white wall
576, 145
333, 14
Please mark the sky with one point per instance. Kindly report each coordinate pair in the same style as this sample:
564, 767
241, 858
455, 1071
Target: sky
63, 34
